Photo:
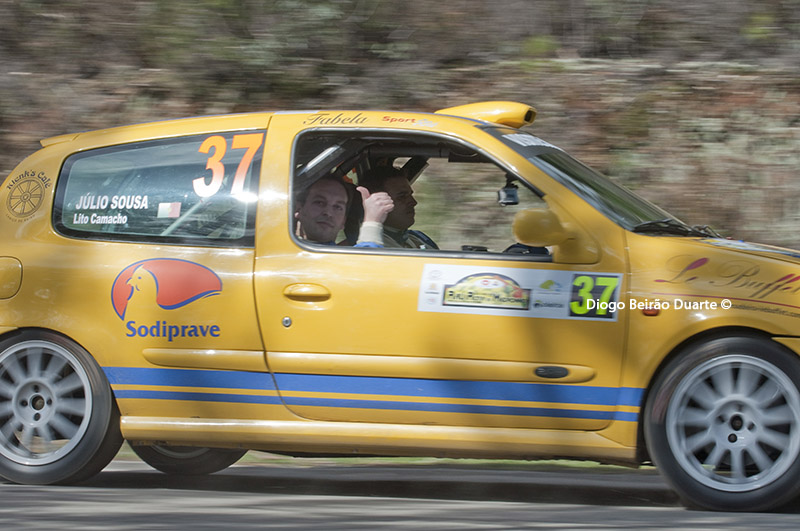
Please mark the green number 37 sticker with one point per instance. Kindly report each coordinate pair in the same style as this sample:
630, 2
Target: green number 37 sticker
594, 296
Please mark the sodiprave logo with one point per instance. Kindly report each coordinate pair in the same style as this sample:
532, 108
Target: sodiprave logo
170, 284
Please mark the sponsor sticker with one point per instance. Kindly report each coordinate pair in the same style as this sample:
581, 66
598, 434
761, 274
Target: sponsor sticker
26, 193
169, 284
341, 118
487, 290
519, 292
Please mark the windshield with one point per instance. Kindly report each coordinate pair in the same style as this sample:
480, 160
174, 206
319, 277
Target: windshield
614, 201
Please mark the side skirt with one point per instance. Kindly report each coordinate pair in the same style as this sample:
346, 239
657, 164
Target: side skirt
377, 439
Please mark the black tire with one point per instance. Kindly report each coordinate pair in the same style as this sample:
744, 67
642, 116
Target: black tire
59, 422
187, 460
722, 424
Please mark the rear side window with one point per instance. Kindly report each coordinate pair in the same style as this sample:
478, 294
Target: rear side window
197, 190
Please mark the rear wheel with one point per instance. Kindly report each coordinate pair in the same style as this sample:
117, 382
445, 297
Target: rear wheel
58, 419
187, 460
722, 424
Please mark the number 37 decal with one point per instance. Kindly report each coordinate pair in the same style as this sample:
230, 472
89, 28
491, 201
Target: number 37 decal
594, 296
216, 147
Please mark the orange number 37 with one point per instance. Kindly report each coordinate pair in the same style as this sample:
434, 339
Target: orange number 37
217, 146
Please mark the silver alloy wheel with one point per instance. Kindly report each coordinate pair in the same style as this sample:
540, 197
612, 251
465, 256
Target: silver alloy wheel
45, 402
733, 422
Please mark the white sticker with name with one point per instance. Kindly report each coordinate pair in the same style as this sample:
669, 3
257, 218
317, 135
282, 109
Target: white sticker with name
524, 139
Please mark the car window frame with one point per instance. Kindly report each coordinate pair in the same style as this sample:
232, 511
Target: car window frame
438, 253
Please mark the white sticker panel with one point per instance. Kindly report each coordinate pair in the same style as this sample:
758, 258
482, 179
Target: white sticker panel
514, 292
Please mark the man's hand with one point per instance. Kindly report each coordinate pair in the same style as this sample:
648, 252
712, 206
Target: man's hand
298, 230
376, 206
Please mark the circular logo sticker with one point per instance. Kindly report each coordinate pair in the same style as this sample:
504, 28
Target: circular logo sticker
25, 197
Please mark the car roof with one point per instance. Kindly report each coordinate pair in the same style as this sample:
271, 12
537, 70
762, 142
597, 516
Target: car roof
508, 113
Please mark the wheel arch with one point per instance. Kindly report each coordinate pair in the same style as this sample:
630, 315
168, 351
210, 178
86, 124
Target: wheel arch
78, 421
642, 454
22, 330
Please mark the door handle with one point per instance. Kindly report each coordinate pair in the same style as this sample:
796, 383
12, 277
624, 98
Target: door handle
306, 292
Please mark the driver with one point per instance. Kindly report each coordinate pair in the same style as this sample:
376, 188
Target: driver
396, 227
322, 210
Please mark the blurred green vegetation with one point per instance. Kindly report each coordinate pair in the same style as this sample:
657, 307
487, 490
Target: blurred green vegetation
695, 105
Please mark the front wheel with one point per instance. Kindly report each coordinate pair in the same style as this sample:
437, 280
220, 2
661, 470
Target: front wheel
58, 419
722, 424
187, 460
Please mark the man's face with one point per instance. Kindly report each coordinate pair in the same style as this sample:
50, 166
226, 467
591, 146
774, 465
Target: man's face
322, 215
399, 189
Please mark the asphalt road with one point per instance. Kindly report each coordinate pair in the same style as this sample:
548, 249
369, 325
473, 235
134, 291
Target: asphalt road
128, 495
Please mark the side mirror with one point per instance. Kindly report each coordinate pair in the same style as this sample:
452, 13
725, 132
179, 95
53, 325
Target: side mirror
540, 227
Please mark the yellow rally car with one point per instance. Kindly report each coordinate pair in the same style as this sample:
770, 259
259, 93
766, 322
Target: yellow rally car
162, 284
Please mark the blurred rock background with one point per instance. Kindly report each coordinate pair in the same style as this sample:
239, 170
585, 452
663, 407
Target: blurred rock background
695, 105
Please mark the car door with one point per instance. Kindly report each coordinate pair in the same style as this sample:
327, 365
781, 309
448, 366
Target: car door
457, 336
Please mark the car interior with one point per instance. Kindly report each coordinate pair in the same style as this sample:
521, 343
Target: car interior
466, 201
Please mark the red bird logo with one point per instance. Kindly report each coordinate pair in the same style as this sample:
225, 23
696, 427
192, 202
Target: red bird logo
178, 283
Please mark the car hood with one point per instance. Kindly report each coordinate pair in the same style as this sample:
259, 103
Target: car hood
767, 251
743, 273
